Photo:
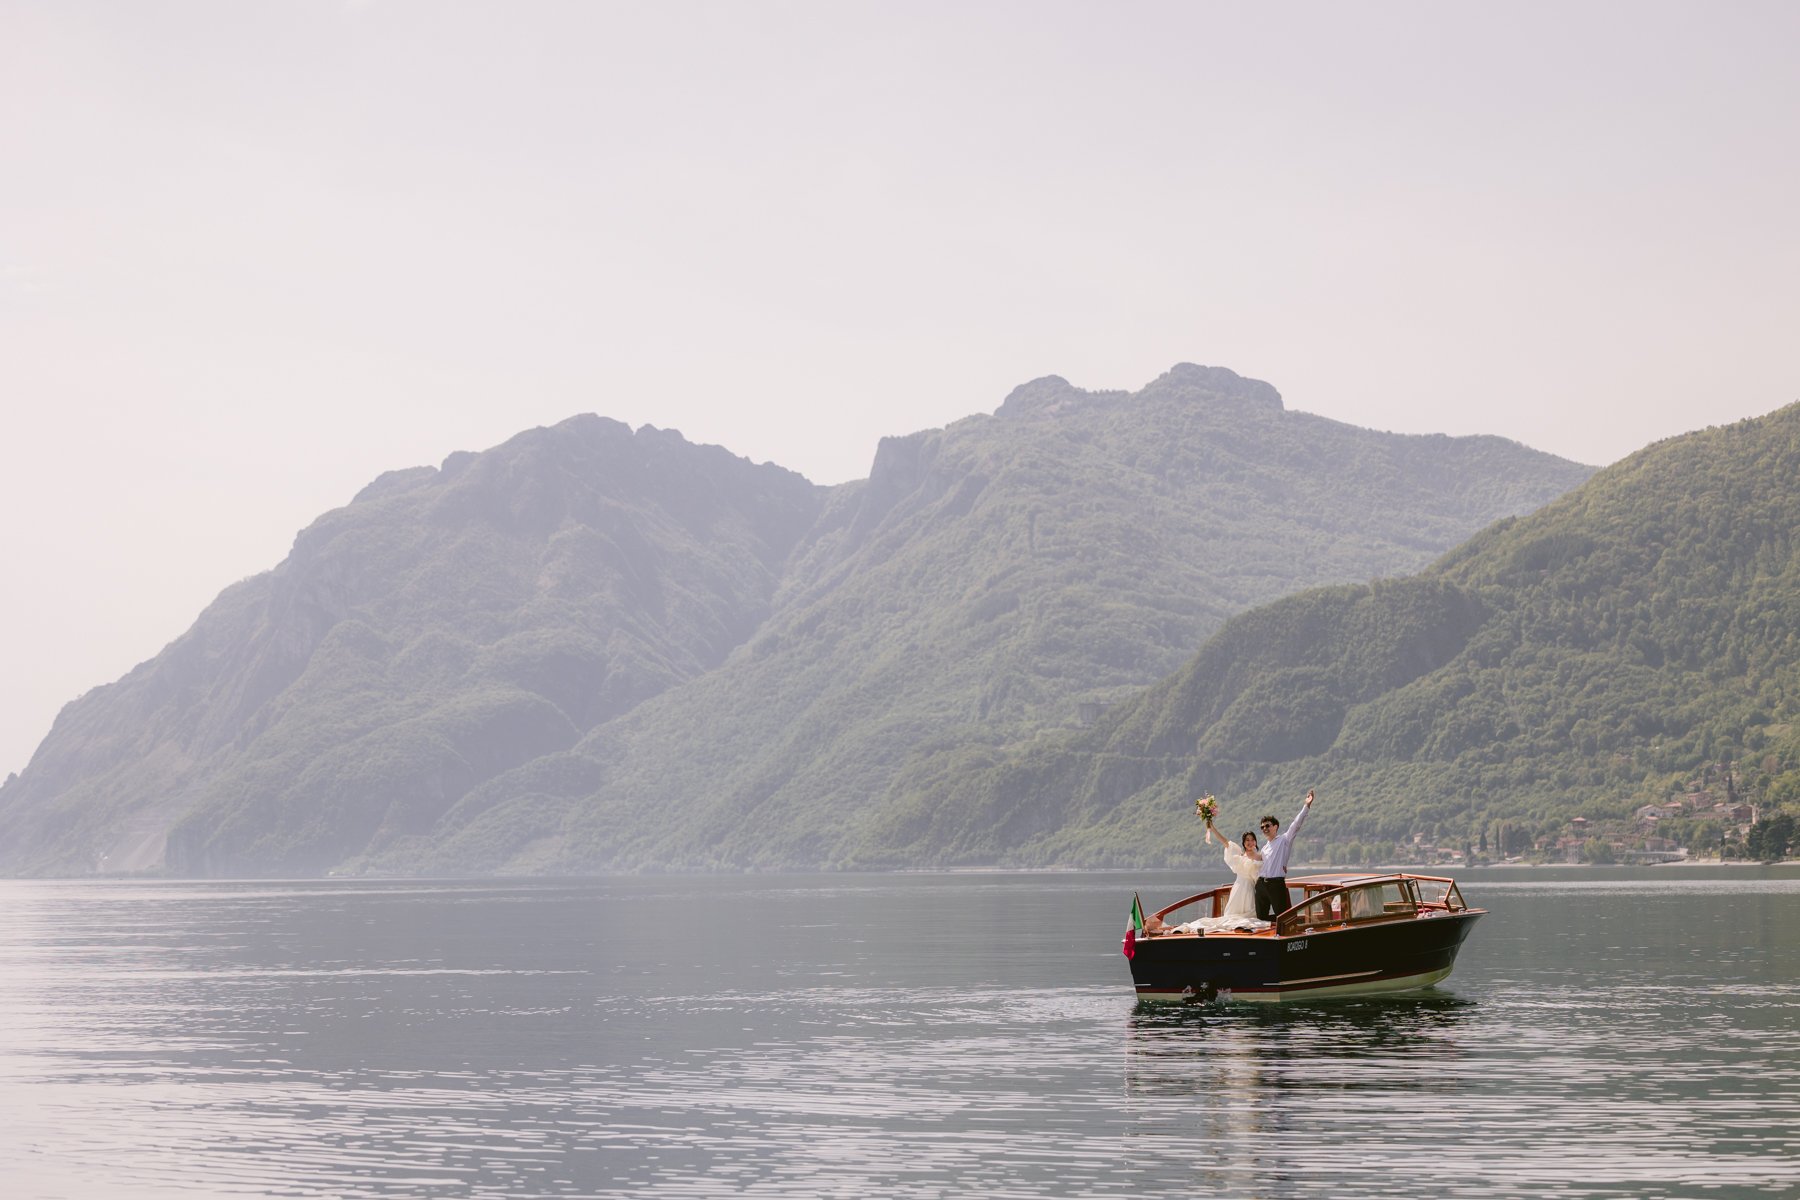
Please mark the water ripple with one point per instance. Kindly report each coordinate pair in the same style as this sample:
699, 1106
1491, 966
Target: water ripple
538, 1040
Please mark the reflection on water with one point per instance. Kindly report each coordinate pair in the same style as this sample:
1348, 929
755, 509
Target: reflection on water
1408, 1031
1247, 1080
1605, 1034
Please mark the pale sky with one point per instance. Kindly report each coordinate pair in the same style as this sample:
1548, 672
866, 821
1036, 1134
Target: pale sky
252, 254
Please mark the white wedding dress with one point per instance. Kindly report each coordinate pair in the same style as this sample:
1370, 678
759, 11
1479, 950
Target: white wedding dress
1240, 906
1242, 901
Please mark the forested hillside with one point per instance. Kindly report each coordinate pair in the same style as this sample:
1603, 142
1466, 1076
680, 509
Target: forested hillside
1631, 642
447, 625
595, 649
985, 584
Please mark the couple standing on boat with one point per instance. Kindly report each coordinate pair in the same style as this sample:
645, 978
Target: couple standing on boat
1261, 889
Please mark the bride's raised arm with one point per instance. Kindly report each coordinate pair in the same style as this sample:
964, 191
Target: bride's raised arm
1234, 853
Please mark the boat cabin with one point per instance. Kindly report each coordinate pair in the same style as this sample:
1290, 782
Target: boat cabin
1325, 902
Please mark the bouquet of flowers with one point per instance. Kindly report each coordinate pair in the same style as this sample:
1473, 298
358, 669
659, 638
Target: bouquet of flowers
1205, 808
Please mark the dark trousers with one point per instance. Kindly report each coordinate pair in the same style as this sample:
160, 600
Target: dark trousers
1272, 898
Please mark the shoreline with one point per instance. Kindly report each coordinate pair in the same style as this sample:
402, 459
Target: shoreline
1427, 868
991, 869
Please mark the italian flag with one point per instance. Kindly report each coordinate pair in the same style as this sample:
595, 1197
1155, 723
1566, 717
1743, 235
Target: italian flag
1134, 927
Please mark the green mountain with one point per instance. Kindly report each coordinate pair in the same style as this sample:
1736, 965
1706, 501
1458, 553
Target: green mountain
445, 626
1605, 653
592, 649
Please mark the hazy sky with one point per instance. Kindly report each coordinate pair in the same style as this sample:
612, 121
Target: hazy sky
254, 254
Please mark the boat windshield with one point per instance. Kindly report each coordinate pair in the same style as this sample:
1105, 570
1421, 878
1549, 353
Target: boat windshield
1440, 893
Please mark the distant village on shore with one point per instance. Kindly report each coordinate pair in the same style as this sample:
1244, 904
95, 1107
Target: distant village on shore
1710, 822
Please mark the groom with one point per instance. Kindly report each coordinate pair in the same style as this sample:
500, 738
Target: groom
1272, 897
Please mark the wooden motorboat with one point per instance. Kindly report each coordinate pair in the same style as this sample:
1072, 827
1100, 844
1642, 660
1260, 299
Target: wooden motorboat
1348, 935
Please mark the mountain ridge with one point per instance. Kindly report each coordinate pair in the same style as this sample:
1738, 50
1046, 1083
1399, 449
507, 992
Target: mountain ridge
542, 656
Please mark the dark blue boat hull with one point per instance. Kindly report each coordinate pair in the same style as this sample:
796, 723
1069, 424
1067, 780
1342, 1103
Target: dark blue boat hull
1347, 960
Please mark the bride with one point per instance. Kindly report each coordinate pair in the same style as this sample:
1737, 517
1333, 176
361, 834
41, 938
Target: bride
1245, 860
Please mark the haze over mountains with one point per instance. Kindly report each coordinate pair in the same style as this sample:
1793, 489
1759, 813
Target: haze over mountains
592, 649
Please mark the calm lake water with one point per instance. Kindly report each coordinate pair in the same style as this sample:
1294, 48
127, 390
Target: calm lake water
1606, 1033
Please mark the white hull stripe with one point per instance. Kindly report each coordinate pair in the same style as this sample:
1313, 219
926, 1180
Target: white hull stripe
1329, 978
1304, 989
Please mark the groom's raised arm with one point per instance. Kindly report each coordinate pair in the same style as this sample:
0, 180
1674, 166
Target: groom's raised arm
1305, 807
